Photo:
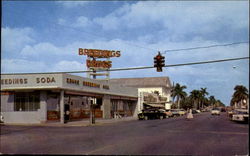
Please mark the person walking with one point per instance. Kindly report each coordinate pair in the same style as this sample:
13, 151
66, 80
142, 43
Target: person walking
189, 114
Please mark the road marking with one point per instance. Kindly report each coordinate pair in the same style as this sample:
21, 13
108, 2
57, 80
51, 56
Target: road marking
99, 149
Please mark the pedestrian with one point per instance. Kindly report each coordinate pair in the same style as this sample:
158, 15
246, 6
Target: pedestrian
189, 114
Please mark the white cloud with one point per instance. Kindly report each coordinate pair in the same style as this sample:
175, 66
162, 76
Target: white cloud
14, 39
22, 65
179, 18
61, 21
72, 4
65, 65
41, 49
81, 22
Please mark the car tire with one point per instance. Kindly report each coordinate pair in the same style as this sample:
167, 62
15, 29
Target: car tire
145, 117
161, 117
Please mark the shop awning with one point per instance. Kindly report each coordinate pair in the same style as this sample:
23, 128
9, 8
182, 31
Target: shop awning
155, 105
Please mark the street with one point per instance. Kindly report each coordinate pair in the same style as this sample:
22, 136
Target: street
203, 135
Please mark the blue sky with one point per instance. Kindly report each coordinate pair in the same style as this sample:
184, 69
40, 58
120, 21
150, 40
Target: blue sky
44, 36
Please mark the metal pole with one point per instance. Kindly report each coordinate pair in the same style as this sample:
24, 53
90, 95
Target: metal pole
62, 106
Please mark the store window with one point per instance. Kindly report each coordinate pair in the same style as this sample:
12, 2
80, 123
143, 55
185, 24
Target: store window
27, 101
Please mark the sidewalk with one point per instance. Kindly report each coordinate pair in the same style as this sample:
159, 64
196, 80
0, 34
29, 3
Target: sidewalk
83, 122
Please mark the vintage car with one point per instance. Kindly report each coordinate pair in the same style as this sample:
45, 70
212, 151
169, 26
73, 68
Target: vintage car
241, 115
175, 112
182, 112
215, 111
152, 113
168, 113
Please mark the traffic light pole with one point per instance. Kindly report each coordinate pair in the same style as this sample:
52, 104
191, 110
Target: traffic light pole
159, 62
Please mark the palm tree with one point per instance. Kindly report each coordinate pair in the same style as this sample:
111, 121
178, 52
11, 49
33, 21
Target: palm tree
240, 94
178, 92
195, 96
203, 94
233, 101
212, 100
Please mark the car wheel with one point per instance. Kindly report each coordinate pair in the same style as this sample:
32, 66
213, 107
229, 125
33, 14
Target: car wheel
161, 117
145, 117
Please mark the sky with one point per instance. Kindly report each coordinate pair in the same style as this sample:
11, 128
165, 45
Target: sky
44, 36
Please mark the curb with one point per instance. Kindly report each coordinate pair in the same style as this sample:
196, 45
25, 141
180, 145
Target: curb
70, 124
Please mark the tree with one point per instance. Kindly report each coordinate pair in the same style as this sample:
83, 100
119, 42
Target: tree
186, 103
212, 101
240, 94
178, 92
203, 96
219, 104
195, 97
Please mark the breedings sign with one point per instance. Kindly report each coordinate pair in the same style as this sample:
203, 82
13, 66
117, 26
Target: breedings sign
96, 53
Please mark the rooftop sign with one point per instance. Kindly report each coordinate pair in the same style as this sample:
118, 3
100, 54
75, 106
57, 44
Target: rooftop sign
99, 53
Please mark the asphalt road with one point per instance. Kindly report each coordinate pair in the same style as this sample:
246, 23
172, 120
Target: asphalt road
204, 135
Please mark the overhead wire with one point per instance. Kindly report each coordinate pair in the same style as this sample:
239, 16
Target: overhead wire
136, 68
204, 47
168, 50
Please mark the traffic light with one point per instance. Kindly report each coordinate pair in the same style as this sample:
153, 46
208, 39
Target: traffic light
159, 62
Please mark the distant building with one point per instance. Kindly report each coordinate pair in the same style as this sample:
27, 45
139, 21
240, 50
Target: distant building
243, 104
156, 85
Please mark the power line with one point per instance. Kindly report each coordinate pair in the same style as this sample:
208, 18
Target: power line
165, 51
93, 34
210, 46
136, 68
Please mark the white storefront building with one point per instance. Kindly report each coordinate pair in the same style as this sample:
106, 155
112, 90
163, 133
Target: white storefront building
38, 98
161, 85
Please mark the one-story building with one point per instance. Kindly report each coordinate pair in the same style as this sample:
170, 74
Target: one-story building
159, 86
38, 98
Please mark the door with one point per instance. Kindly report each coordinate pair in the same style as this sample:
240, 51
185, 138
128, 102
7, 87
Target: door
66, 112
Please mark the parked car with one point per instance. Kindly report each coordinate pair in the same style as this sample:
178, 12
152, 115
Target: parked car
223, 110
198, 111
152, 113
182, 112
194, 111
175, 112
168, 113
1, 118
241, 115
215, 111
230, 113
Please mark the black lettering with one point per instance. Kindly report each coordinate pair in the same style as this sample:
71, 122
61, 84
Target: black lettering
37, 80
53, 79
25, 81
16, 81
43, 80
48, 80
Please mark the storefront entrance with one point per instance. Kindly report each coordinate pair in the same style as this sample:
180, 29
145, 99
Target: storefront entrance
77, 106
